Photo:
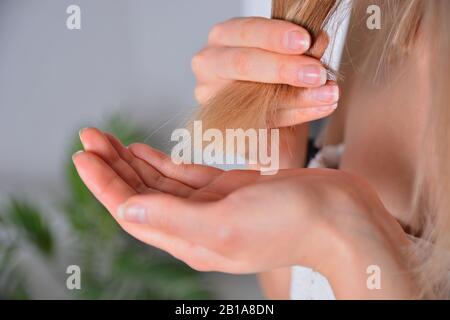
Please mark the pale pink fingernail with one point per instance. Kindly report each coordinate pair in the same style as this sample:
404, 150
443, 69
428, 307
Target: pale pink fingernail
76, 154
327, 94
80, 132
325, 109
296, 40
313, 75
133, 214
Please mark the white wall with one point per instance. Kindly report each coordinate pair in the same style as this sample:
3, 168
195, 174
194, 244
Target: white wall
256, 8
132, 56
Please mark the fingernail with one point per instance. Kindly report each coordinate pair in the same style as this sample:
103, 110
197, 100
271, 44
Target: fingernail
134, 214
76, 154
80, 132
296, 40
328, 94
313, 75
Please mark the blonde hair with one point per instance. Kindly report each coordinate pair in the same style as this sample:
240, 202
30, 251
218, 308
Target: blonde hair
252, 105
432, 196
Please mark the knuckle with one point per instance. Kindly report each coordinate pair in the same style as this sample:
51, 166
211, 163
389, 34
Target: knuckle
104, 189
284, 66
215, 33
240, 62
198, 61
227, 231
248, 26
281, 67
288, 66
226, 239
163, 220
201, 94
302, 97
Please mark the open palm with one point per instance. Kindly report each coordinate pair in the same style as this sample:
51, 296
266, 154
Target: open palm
188, 198
230, 221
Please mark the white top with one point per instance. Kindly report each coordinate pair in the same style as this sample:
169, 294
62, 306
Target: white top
307, 284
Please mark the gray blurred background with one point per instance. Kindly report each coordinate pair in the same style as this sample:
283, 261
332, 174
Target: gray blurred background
131, 56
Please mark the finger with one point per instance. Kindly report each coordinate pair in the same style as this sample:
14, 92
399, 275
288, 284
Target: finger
305, 105
95, 141
208, 89
201, 223
295, 116
193, 175
123, 151
312, 97
149, 175
196, 256
105, 184
256, 65
268, 34
112, 192
159, 182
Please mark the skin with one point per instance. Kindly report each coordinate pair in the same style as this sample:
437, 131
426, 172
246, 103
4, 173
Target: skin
196, 213
366, 116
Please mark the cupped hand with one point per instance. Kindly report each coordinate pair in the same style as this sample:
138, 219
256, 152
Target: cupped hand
235, 221
190, 211
268, 51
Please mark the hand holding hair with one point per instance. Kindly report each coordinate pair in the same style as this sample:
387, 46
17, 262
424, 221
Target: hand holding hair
251, 72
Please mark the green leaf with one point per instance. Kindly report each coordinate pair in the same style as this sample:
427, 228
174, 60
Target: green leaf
13, 285
30, 222
121, 126
158, 276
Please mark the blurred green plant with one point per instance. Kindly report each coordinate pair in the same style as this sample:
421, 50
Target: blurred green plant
113, 265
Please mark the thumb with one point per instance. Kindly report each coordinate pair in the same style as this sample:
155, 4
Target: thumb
183, 218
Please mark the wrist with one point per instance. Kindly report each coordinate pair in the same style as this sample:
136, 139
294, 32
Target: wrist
351, 238
369, 261
372, 270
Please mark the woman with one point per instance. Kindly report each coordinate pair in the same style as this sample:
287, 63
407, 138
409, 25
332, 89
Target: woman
390, 188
